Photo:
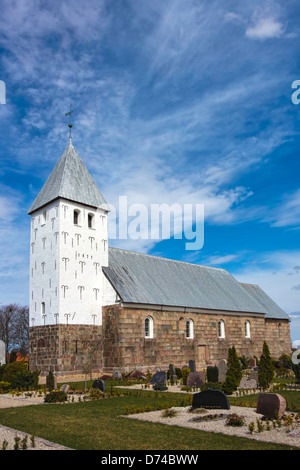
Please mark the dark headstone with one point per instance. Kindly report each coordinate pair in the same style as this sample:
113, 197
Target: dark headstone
196, 379
271, 405
192, 366
100, 385
252, 362
211, 399
159, 378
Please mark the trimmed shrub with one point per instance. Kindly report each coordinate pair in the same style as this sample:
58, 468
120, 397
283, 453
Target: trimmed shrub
56, 397
212, 374
12, 369
4, 387
160, 387
26, 379
2, 368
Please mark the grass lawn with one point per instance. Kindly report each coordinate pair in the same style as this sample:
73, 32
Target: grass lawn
97, 425
292, 399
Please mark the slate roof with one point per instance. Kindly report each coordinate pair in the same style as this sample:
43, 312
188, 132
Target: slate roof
70, 180
146, 279
272, 309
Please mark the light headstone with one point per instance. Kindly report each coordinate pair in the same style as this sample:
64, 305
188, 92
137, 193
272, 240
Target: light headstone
2, 353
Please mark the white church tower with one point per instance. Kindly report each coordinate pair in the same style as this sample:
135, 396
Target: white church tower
69, 247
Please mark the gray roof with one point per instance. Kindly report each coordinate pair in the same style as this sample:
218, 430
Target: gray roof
146, 279
272, 309
70, 180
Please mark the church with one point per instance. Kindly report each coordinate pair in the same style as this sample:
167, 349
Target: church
95, 308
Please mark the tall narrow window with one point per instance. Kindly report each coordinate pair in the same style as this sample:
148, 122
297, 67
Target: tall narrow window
148, 327
221, 329
90, 220
76, 215
44, 217
189, 329
43, 308
247, 329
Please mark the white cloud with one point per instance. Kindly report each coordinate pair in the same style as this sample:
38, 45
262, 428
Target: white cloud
265, 28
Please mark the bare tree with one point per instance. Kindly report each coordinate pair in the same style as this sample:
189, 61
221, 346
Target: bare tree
14, 327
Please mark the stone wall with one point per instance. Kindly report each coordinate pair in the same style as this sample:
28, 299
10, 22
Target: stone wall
126, 348
65, 349
277, 336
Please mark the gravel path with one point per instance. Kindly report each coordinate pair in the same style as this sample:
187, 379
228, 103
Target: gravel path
184, 418
8, 434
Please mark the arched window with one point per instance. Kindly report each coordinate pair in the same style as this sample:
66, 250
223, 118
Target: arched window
148, 327
43, 308
76, 217
247, 329
221, 329
189, 330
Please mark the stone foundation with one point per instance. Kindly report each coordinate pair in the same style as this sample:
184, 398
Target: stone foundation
66, 350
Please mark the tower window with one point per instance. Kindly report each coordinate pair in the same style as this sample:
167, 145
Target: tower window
90, 220
43, 308
76, 217
44, 217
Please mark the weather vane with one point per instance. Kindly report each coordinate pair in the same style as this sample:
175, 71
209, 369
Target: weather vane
70, 123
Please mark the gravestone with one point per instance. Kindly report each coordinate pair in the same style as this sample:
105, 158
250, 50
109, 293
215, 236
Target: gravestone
248, 383
2, 353
100, 385
254, 374
192, 366
211, 399
271, 405
117, 375
222, 367
137, 374
159, 377
65, 388
196, 379
252, 362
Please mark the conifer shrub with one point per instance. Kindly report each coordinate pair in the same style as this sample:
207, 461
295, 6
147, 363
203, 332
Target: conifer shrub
234, 372
266, 368
185, 372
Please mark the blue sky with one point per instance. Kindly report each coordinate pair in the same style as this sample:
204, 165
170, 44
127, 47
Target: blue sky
174, 102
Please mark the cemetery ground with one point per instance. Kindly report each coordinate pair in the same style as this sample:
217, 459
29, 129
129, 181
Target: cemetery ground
103, 425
